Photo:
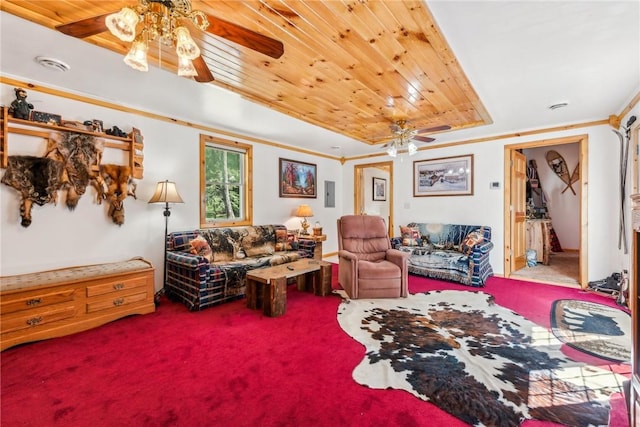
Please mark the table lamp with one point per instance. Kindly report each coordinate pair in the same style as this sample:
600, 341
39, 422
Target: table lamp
304, 212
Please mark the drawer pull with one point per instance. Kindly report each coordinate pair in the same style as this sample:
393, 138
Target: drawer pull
118, 301
34, 321
34, 301
118, 286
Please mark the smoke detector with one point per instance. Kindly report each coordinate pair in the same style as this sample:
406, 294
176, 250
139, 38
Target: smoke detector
558, 105
52, 63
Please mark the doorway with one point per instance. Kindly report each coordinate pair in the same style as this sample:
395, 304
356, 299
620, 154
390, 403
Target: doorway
515, 207
373, 193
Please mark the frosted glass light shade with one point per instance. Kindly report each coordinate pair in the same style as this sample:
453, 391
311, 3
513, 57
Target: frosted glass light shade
392, 151
186, 68
123, 24
412, 148
185, 46
137, 56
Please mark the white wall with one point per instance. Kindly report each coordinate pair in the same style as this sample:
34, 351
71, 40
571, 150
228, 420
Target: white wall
375, 207
485, 206
563, 208
60, 238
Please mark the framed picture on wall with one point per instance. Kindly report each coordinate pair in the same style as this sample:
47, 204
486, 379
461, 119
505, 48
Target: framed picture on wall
379, 189
297, 179
446, 176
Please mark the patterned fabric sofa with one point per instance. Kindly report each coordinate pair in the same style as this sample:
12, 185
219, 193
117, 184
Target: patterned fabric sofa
454, 252
200, 277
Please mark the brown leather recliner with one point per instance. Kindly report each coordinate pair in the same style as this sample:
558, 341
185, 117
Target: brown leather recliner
368, 267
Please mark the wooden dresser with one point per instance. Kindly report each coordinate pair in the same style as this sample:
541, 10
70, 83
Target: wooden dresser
54, 303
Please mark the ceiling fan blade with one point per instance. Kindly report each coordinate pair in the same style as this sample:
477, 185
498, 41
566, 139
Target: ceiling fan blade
434, 129
423, 138
204, 74
245, 37
85, 27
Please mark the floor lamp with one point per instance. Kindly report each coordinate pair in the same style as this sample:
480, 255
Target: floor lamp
166, 192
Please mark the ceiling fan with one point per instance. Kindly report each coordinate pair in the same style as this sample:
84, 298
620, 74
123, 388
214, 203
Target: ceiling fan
164, 20
404, 136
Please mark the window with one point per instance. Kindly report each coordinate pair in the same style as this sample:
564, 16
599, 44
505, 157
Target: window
225, 182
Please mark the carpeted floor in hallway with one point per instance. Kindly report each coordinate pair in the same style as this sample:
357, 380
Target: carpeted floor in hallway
563, 268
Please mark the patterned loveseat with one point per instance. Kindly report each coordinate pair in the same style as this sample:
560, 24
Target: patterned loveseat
454, 252
200, 277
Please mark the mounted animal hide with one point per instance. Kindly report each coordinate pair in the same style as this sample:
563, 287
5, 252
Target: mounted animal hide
114, 183
38, 180
79, 153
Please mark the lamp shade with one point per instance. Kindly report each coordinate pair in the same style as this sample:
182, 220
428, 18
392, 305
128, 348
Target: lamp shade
304, 211
185, 46
123, 24
166, 192
186, 68
137, 56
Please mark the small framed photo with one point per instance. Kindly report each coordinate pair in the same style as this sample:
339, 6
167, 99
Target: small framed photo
297, 179
446, 176
379, 189
48, 118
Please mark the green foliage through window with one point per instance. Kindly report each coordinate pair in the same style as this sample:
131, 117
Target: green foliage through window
224, 186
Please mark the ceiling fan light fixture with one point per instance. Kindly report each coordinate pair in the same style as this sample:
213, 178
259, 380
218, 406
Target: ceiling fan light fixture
161, 20
186, 68
392, 151
185, 46
137, 56
123, 24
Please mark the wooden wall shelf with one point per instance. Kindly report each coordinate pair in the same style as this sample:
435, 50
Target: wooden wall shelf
134, 143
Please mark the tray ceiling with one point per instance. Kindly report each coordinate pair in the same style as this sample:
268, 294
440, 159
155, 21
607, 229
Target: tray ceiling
348, 66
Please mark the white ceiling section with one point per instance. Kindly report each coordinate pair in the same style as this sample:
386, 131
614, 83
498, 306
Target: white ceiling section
520, 58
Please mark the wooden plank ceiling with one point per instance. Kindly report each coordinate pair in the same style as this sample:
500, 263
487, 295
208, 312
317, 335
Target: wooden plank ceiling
349, 66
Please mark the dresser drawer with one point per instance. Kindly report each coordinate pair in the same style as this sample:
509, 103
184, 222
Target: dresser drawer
114, 301
18, 301
116, 286
37, 317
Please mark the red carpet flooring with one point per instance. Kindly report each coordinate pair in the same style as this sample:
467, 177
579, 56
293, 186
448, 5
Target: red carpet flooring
231, 366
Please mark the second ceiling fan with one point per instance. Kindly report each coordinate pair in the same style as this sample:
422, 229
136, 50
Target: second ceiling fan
404, 137
164, 20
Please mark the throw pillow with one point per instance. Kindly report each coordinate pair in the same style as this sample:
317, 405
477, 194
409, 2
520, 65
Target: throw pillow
410, 236
199, 246
470, 241
286, 241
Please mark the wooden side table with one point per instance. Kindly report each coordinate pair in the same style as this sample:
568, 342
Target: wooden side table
317, 252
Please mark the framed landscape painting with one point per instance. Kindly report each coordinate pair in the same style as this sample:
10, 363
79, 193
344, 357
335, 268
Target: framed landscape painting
297, 179
446, 176
379, 189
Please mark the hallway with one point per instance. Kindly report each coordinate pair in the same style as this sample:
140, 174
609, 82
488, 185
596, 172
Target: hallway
563, 268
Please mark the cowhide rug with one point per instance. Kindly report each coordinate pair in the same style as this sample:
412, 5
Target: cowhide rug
474, 359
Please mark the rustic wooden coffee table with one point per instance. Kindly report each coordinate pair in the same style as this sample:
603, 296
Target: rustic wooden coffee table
267, 287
